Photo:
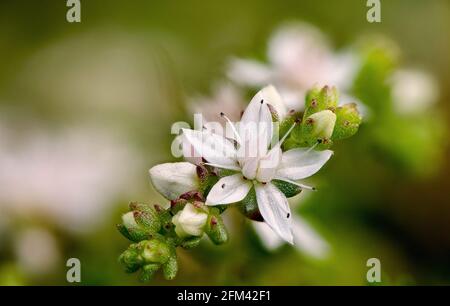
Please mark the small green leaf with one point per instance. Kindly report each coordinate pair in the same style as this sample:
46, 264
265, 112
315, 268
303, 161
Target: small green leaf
249, 206
148, 271
170, 268
215, 229
288, 189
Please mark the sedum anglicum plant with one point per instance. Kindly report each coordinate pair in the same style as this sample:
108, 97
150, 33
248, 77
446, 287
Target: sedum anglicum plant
255, 168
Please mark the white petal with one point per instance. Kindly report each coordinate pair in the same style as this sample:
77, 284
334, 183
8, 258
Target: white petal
301, 163
271, 96
307, 240
255, 127
275, 210
268, 165
250, 167
269, 238
229, 189
212, 147
174, 179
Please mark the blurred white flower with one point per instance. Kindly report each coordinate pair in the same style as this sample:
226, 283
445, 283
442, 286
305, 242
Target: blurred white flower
299, 58
37, 251
225, 98
306, 239
69, 177
413, 91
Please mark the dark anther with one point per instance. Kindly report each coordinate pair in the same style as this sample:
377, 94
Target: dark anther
262, 101
222, 114
288, 215
223, 186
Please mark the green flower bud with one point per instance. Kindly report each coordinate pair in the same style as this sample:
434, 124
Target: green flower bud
140, 223
190, 221
318, 100
154, 251
215, 228
131, 229
348, 120
319, 127
131, 259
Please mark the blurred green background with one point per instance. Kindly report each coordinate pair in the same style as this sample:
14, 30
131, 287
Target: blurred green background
86, 110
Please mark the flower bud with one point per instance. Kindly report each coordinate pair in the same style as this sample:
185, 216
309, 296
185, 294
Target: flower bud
318, 128
131, 259
318, 100
140, 223
154, 251
174, 179
190, 221
348, 120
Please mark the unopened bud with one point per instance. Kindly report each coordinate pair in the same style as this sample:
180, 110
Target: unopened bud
190, 221
154, 251
320, 125
348, 120
318, 100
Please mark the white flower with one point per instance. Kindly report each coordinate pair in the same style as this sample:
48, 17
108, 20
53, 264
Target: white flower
257, 163
413, 91
190, 221
299, 58
174, 179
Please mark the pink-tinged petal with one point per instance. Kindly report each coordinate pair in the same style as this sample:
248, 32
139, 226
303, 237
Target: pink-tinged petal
301, 163
275, 210
229, 189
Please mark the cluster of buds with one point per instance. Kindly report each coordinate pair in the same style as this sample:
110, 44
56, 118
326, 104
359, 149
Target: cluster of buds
200, 191
157, 232
323, 120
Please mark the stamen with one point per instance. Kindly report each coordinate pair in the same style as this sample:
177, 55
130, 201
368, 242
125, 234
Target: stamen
297, 184
287, 134
223, 167
312, 148
233, 128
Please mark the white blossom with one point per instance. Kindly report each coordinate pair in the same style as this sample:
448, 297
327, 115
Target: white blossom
257, 163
